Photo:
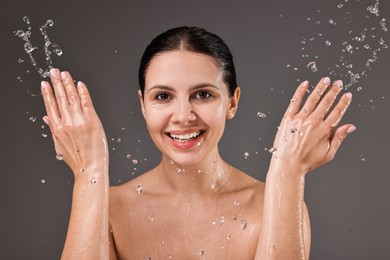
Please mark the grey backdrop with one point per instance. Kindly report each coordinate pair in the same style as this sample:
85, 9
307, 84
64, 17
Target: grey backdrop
348, 199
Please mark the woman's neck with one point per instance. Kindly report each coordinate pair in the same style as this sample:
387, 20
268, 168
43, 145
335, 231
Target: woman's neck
207, 176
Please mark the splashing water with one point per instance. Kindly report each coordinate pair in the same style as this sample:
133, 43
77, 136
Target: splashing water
48, 46
359, 41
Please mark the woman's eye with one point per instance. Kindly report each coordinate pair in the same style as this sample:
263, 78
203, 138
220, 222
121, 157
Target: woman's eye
162, 96
203, 95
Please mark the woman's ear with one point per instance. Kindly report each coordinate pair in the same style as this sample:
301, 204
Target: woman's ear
233, 103
141, 100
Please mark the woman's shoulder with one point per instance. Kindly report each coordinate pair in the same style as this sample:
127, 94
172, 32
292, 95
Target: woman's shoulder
241, 182
131, 187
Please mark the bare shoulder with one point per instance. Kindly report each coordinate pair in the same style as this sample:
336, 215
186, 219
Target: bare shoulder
241, 182
128, 192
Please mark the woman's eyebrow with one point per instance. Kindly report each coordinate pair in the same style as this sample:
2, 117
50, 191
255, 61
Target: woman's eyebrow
162, 87
169, 88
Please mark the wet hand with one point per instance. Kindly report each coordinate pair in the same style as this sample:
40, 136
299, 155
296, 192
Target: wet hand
77, 132
310, 136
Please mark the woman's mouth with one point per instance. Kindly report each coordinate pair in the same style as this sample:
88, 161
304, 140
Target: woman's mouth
185, 137
185, 140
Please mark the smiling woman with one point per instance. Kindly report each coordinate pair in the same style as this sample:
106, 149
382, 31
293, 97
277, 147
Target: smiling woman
193, 204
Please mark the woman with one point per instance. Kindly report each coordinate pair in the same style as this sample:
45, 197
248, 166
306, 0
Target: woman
193, 204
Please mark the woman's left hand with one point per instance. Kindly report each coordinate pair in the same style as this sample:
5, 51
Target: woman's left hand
309, 137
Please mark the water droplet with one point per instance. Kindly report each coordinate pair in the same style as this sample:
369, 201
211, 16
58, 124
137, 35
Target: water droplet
135, 161
262, 115
312, 66
340, 5
243, 224
271, 150
349, 48
43, 181
327, 42
171, 162
383, 24
57, 49
128, 156
44, 135
222, 220
59, 156
359, 89
362, 158
20, 60
25, 19
93, 180
201, 253
213, 222
331, 21
288, 65
228, 237
32, 119
29, 48
236, 203
139, 189
246, 154
151, 219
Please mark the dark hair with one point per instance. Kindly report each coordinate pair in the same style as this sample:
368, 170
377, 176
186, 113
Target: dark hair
193, 39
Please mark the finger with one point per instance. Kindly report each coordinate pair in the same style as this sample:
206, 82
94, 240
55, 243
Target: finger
71, 92
338, 137
338, 111
85, 100
50, 102
57, 145
327, 101
312, 101
60, 94
296, 100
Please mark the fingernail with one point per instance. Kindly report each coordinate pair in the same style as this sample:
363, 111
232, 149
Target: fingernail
351, 129
326, 80
339, 83
64, 75
349, 95
79, 84
54, 72
305, 83
45, 120
43, 85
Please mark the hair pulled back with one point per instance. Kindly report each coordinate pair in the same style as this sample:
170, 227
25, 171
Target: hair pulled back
193, 39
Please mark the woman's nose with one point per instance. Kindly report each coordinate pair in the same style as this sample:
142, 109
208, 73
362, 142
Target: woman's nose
183, 113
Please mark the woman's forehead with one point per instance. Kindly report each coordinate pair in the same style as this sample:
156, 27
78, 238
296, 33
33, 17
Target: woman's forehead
182, 67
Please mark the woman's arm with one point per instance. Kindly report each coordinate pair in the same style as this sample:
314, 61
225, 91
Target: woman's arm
80, 141
307, 138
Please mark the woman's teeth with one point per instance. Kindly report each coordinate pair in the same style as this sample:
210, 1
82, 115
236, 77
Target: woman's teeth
186, 137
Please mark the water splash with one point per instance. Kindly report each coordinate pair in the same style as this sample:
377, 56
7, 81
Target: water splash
360, 43
48, 46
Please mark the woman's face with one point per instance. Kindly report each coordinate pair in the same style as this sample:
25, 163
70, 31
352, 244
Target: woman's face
185, 105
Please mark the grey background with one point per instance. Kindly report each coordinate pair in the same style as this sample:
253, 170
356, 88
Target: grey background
102, 45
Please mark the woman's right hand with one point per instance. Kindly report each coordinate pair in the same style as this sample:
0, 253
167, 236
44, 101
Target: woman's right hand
78, 134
